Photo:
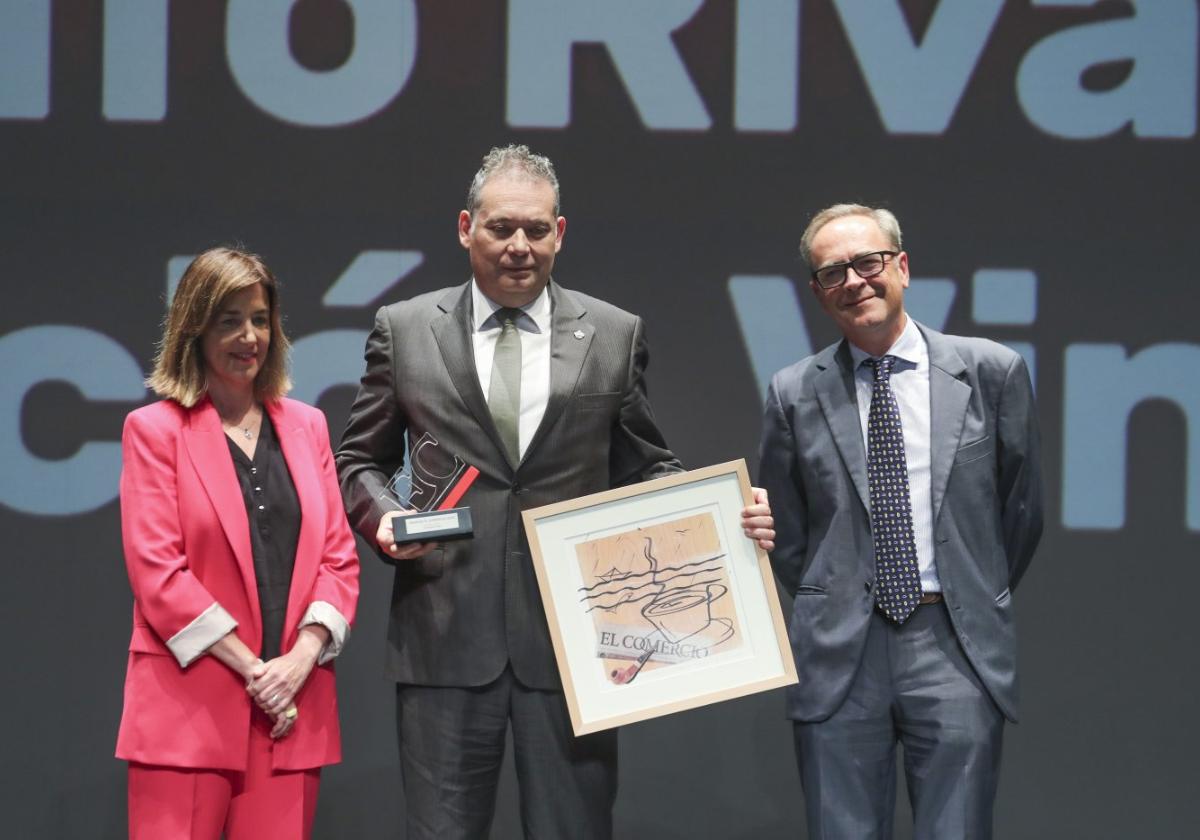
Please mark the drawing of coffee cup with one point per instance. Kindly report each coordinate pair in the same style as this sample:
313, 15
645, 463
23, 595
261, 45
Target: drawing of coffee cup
682, 613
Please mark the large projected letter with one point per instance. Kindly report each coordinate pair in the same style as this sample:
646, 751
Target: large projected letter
88, 479
24, 59
917, 88
1158, 97
1007, 297
385, 48
325, 360
637, 35
772, 323
767, 59
370, 275
135, 60
1103, 386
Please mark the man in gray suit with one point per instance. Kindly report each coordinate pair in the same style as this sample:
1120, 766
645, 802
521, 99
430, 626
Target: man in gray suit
542, 390
903, 468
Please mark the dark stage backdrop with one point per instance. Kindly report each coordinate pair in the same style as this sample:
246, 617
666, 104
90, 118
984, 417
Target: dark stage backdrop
1041, 156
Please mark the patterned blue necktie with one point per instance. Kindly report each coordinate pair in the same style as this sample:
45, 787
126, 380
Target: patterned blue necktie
897, 580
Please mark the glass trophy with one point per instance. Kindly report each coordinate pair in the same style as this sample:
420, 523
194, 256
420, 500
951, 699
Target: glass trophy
431, 483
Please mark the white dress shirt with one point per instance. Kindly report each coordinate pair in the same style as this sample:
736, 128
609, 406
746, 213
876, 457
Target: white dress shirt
910, 385
534, 328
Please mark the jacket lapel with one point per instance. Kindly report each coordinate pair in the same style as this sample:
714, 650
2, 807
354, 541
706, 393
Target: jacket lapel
452, 331
949, 396
570, 340
306, 478
836, 396
209, 452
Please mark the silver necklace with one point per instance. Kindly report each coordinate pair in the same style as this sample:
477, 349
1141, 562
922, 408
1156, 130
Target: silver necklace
245, 430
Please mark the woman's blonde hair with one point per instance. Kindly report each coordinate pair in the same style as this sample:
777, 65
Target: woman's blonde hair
213, 276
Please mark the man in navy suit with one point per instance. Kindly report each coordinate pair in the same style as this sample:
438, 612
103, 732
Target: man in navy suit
903, 470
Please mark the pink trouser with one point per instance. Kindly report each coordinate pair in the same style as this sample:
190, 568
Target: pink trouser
179, 803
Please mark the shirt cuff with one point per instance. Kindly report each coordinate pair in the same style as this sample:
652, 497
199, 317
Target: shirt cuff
327, 615
203, 632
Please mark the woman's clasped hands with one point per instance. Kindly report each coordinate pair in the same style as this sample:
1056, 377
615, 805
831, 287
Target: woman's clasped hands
274, 684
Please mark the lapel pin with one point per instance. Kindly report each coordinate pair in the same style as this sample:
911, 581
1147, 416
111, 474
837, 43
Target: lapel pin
578, 333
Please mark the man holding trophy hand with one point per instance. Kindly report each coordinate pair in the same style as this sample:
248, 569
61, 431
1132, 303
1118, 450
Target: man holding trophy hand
528, 394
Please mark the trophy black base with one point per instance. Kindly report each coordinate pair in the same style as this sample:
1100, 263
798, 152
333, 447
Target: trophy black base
433, 526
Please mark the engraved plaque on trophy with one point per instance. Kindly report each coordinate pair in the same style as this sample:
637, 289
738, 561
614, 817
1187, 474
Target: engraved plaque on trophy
431, 483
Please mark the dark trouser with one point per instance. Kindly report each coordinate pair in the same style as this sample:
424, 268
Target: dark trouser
915, 687
452, 747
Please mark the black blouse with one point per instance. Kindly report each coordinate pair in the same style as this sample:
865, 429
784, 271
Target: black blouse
274, 513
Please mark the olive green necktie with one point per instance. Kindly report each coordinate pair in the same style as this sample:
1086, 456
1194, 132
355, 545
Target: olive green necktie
504, 389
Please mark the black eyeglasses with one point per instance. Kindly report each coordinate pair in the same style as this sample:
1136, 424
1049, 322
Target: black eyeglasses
866, 267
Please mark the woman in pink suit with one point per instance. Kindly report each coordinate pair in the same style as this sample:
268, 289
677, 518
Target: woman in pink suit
243, 570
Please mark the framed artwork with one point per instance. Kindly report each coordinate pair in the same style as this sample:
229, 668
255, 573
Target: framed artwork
656, 600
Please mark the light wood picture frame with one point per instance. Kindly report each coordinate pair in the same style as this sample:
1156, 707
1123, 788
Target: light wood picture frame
656, 600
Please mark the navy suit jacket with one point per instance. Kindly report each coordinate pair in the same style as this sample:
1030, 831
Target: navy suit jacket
987, 510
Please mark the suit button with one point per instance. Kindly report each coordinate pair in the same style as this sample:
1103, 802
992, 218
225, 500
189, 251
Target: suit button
517, 490
867, 585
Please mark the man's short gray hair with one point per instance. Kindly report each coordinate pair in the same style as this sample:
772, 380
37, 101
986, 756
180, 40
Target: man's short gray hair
512, 159
884, 218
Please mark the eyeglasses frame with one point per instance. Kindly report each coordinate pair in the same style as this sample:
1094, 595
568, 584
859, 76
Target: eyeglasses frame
850, 265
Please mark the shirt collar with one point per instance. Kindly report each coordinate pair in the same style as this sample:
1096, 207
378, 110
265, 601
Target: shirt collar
537, 310
909, 347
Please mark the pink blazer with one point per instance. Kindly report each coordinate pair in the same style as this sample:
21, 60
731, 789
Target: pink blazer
187, 550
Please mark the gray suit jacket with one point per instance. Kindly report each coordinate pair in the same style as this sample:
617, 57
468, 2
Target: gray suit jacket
462, 612
987, 510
